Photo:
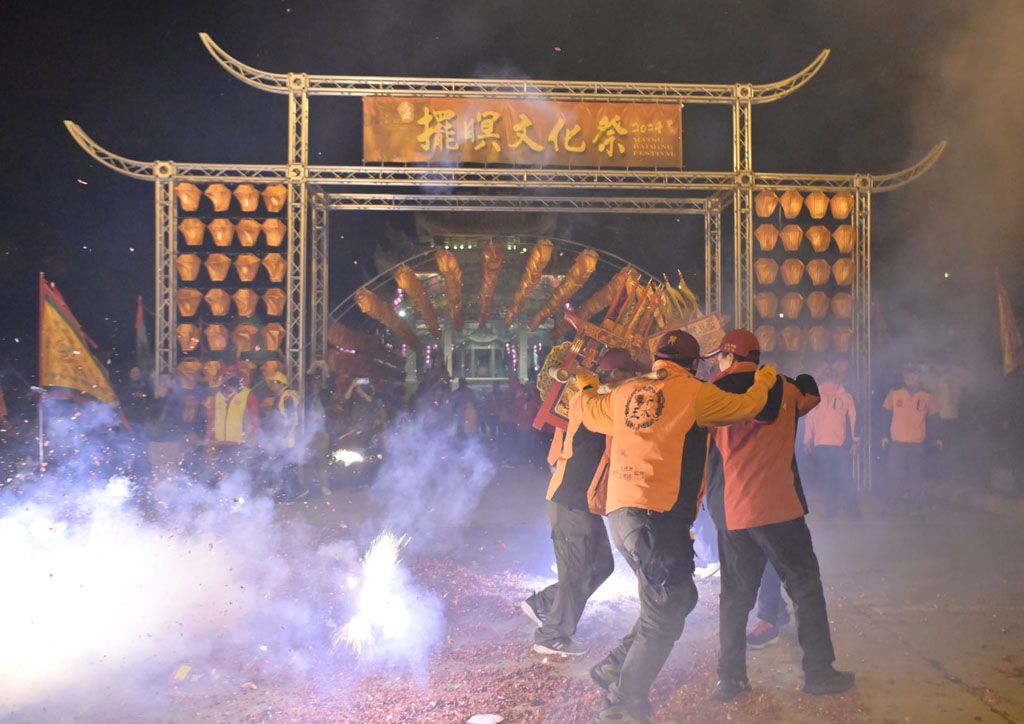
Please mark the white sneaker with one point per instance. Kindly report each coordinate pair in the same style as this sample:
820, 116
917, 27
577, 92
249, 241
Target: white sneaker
565, 647
705, 572
531, 613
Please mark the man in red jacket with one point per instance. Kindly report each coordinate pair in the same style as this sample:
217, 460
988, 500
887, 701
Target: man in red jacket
757, 503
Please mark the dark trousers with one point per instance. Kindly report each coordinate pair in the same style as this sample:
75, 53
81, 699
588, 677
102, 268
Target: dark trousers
836, 473
904, 468
744, 553
771, 607
658, 548
584, 559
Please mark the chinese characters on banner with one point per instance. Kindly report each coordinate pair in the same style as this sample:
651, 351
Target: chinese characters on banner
526, 133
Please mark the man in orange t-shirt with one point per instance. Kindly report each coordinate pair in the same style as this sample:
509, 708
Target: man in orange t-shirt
830, 432
910, 406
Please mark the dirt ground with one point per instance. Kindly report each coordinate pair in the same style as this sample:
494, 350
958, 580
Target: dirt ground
926, 607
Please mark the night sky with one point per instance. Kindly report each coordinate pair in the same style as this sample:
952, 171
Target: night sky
901, 77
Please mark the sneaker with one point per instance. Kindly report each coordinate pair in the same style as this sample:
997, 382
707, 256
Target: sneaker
729, 689
617, 714
605, 673
763, 634
565, 647
829, 681
705, 572
531, 613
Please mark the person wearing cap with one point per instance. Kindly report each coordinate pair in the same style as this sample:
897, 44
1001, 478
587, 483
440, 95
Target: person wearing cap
658, 427
583, 556
757, 503
910, 406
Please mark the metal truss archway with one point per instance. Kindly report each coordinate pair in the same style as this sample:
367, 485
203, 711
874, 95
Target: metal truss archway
314, 190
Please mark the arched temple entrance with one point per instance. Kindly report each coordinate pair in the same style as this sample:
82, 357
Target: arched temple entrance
260, 232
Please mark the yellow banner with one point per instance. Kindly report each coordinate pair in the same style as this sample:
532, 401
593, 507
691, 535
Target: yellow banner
525, 133
64, 357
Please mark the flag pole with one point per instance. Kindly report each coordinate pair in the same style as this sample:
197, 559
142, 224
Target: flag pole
40, 390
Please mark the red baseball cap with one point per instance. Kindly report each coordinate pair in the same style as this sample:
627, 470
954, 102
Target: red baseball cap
677, 344
740, 342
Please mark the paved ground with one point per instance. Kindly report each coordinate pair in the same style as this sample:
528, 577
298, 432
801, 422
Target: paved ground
927, 608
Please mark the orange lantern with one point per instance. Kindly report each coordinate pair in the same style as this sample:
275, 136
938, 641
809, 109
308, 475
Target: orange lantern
820, 237
219, 302
817, 204
188, 267
188, 372
819, 271
248, 197
841, 205
192, 229
271, 367
188, 195
539, 257
448, 265
275, 266
272, 335
817, 338
273, 300
273, 231
275, 196
792, 303
817, 303
765, 202
792, 337
791, 235
766, 270
213, 373
216, 337
188, 336
245, 302
245, 368
217, 266
767, 304
597, 301
247, 266
244, 337
582, 267
766, 235
841, 338
219, 195
767, 337
413, 287
842, 270
493, 253
844, 237
188, 301
791, 201
840, 367
376, 308
248, 231
842, 305
222, 231
792, 271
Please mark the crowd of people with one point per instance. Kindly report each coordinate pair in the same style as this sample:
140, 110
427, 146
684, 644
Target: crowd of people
647, 450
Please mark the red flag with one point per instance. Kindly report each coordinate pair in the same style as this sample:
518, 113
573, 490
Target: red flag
1009, 331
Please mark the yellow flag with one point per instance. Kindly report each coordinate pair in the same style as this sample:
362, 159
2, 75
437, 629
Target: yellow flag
65, 361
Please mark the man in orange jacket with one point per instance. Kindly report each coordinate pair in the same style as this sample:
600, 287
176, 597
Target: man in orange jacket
830, 432
758, 505
582, 554
654, 487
